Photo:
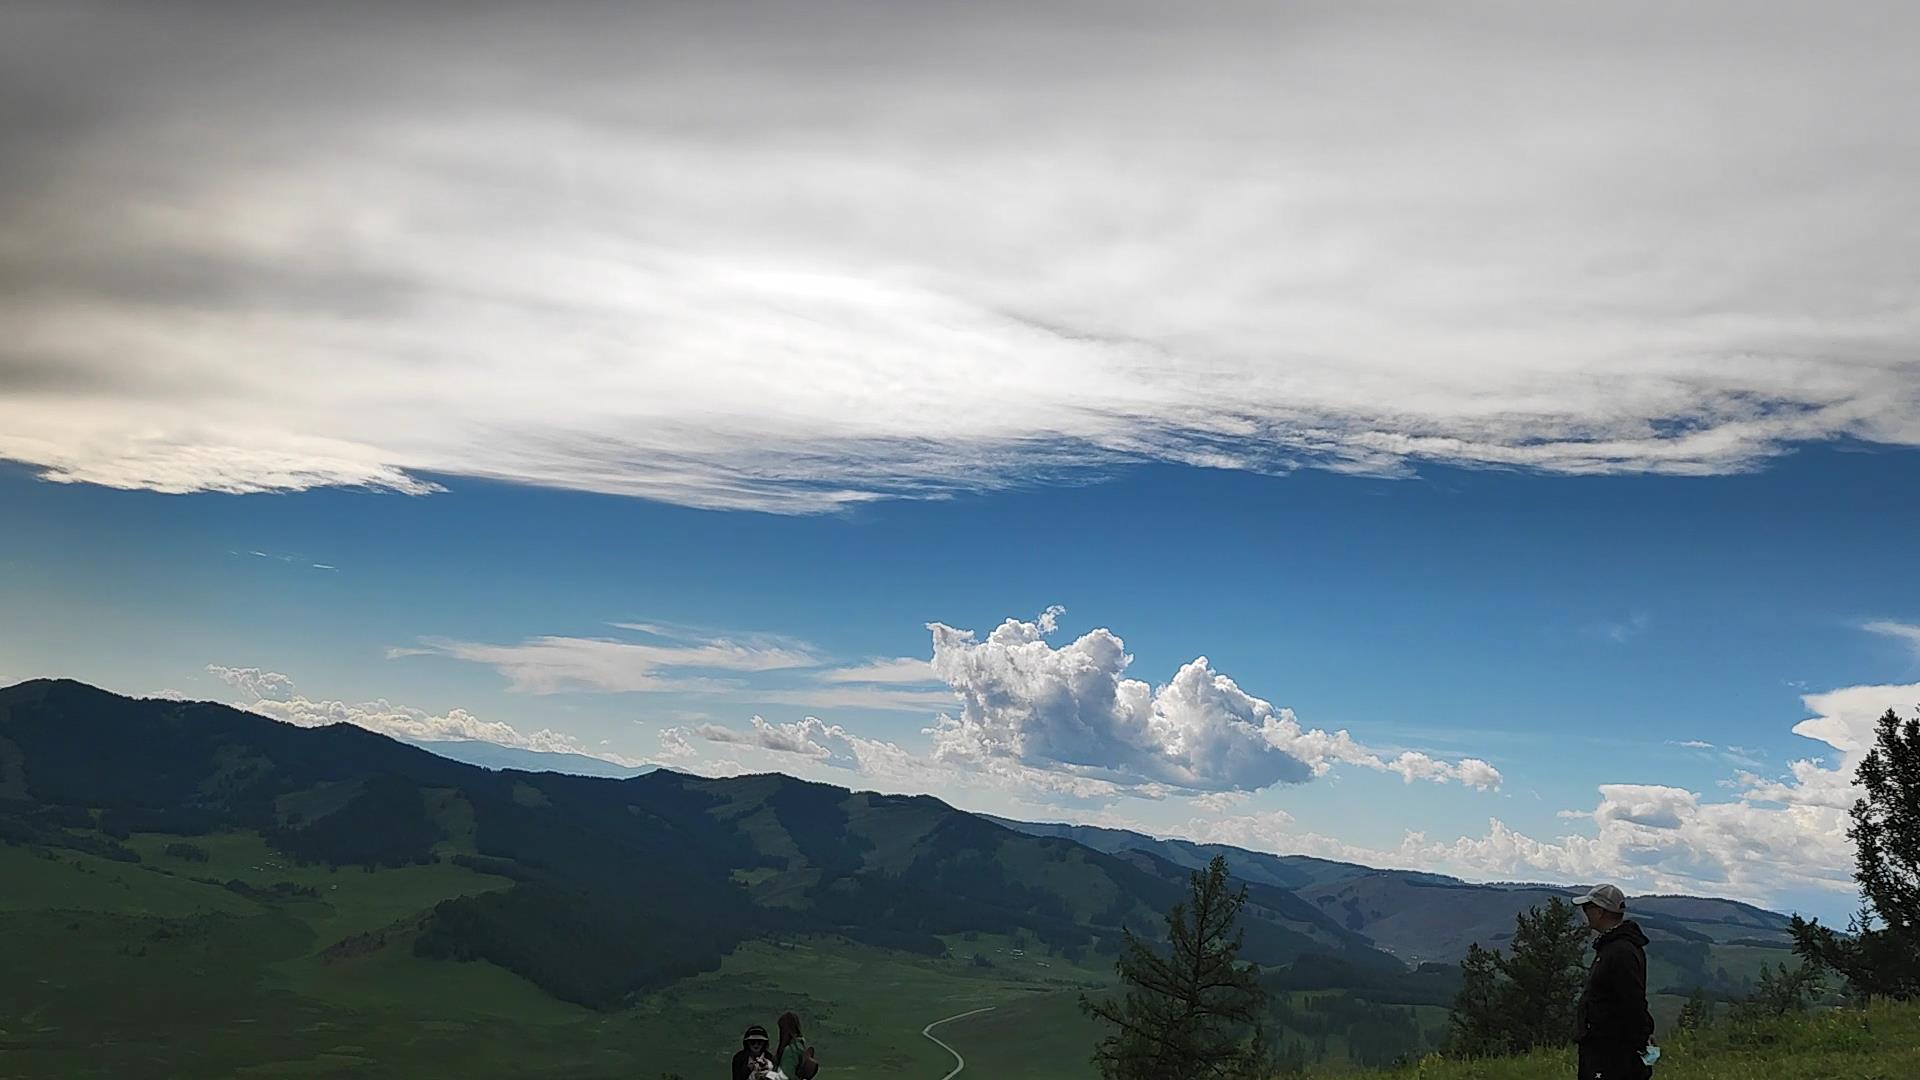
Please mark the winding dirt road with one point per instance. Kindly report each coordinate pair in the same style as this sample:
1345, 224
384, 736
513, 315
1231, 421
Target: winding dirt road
958, 1061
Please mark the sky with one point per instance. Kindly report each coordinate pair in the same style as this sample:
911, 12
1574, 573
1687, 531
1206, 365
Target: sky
1480, 442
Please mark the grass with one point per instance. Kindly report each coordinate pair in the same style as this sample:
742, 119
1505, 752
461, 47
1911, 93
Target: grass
117, 969
1881, 1043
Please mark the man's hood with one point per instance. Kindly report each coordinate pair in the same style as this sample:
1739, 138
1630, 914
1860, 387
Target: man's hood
1626, 931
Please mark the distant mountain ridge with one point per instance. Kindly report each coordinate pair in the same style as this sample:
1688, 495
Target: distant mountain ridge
494, 756
615, 886
1423, 917
1286, 871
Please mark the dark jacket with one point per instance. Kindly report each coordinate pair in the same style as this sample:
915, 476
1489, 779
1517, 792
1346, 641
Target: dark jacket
743, 1064
1613, 1007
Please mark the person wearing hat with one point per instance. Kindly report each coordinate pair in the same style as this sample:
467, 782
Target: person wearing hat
753, 1049
1612, 1025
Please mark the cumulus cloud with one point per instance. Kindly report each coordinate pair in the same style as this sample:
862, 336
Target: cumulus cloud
1776, 834
810, 737
273, 696
1072, 709
879, 764
652, 250
253, 682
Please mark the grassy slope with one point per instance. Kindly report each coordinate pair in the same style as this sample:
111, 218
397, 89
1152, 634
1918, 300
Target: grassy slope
118, 969
1880, 1044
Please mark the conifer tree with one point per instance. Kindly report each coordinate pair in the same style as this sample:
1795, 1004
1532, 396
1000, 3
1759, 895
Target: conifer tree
1512, 1003
1192, 1012
1879, 956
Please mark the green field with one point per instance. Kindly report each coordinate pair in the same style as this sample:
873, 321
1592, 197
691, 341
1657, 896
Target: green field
137, 969
158, 968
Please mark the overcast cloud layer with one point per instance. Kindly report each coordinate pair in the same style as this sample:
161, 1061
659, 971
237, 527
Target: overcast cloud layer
793, 256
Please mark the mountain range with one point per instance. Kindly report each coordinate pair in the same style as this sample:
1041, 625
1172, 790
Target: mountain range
602, 889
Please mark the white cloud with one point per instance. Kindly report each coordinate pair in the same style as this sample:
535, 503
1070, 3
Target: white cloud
809, 745
809, 737
901, 669
1220, 802
672, 663
1907, 632
1072, 710
1693, 744
396, 721
1621, 631
1776, 835
376, 250
253, 682
551, 664
876, 698
1651, 805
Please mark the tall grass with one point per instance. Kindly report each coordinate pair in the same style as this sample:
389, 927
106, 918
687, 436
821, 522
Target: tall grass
1879, 1043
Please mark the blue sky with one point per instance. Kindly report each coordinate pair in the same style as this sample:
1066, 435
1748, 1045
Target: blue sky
1571, 631
1518, 411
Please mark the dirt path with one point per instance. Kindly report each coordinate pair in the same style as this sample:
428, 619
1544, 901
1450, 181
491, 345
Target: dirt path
958, 1061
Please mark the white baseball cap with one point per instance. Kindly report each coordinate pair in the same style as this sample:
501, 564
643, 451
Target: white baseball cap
1606, 898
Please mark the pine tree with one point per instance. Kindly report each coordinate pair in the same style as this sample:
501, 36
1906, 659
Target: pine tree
1544, 974
1879, 956
1886, 825
1697, 1012
1510, 1004
1193, 1013
1474, 1029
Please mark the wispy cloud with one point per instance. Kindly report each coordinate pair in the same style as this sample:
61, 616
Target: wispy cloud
904, 670
1622, 630
1907, 632
876, 698
566, 267
273, 694
551, 664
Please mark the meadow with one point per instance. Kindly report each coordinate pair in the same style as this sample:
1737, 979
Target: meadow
161, 967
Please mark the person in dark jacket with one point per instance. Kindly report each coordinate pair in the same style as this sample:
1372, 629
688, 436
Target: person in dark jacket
753, 1047
1612, 1025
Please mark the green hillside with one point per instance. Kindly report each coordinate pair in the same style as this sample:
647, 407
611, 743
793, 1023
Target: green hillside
202, 891
317, 899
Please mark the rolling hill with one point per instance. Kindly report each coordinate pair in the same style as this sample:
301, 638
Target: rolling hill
665, 873
230, 891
